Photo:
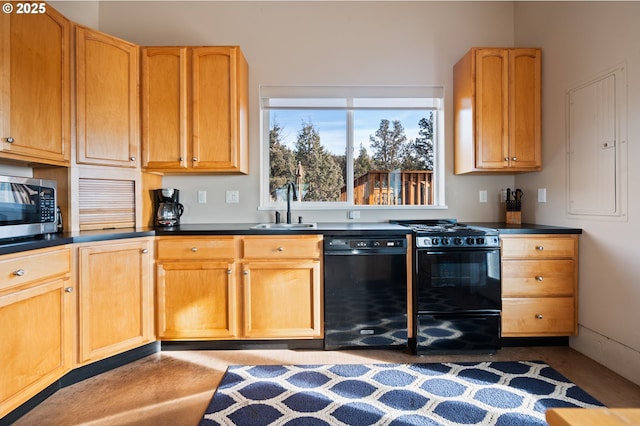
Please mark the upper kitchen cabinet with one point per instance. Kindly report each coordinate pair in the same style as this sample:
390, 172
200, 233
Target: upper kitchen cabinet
194, 110
497, 109
107, 110
34, 87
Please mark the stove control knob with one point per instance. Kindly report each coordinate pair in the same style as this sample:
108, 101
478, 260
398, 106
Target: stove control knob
480, 241
434, 241
470, 241
444, 241
457, 241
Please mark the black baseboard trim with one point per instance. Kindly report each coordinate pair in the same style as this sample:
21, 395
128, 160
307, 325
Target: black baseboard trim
242, 344
78, 375
534, 341
99, 367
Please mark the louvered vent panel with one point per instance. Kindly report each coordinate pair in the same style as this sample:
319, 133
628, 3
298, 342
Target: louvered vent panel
107, 203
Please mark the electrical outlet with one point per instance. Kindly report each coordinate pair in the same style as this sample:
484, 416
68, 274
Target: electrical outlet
503, 195
232, 196
202, 197
483, 195
354, 214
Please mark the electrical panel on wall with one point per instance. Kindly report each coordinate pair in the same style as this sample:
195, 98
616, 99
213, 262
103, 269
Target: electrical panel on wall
596, 146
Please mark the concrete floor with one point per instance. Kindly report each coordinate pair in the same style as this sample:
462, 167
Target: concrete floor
175, 387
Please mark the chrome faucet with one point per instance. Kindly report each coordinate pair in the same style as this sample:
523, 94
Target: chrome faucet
290, 185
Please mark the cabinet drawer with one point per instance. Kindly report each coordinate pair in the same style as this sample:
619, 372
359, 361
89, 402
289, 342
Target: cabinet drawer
538, 246
538, 278
550, 316
298, 246
26, 267
196, 248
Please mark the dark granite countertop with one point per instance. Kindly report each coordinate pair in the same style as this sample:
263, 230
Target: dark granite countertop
526, 228
51, 240
328, 228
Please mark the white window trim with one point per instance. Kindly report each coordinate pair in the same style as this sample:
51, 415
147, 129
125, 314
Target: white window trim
329, 94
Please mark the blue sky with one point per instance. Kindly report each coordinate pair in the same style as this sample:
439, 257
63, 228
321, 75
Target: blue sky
331, 124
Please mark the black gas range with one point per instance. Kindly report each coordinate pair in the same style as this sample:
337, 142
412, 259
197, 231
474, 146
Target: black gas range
447, 233
456, 287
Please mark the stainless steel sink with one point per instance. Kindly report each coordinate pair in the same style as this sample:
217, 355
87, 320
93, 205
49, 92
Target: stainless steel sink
281, 226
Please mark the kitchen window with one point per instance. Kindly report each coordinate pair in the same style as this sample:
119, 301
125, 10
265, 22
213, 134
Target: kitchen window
342, 146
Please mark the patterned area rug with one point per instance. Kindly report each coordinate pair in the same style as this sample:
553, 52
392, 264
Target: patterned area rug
478, 393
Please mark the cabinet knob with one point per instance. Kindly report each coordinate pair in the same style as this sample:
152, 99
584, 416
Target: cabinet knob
144, 251
539, 248
538, 316
68, 289
539, 278
280, 248
229, 271
194, 159
10, 139
194, 249
18, 273
132, 158
245, 272
514, 158
506, 158
180, 159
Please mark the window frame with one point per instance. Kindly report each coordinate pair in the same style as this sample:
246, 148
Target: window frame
377, 95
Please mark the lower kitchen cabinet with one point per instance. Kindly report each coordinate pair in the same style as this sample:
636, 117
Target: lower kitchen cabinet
115, 291
234, 287
37, 303
539, 285
196, 288
281, 282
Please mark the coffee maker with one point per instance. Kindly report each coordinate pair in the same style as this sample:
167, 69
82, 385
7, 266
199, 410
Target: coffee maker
167, 206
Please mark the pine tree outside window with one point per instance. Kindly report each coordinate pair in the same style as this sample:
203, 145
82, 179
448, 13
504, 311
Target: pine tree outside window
348, 146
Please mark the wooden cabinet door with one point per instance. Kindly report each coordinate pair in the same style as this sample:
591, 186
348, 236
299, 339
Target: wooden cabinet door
115, 297
37, 340
107, 100
525, 139
492, 120
165, 130
34, 87
219, 89
282, 299
196, 300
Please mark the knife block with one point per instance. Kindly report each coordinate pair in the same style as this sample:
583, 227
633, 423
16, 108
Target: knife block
513, 218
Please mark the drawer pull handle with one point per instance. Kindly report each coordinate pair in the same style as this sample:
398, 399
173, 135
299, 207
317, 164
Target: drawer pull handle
539, 316
539, 278
68, 289
539, 248
194, 249
18, 273
144, 251
280, 248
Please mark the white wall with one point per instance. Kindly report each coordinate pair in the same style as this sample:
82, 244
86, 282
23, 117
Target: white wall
581, 40
366, 43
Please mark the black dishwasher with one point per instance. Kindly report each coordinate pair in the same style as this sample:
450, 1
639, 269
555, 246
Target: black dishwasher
365, 292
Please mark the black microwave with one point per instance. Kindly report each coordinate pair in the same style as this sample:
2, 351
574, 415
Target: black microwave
27, 207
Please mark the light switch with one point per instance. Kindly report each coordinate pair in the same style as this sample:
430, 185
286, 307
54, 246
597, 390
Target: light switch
202, 197
483, 195
542, 195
